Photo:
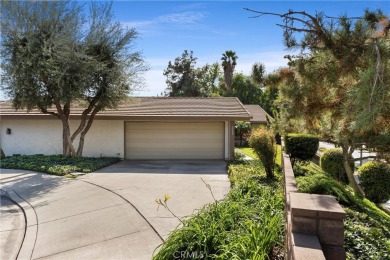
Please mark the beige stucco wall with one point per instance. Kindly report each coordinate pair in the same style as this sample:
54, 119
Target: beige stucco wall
105, 138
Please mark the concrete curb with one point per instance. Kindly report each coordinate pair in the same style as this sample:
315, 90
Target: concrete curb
16, 239
31, 226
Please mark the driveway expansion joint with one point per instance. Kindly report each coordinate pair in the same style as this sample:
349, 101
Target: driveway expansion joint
138, 211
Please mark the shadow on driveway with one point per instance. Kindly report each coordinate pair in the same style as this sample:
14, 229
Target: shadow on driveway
212, 167
30, 185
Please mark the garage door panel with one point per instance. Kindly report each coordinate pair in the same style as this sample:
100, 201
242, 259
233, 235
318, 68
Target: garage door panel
170, 126
185, 144
179, 136
156, 140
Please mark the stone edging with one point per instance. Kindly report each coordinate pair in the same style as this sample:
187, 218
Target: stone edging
314, 223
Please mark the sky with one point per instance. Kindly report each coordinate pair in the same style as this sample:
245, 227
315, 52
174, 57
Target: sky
209, 28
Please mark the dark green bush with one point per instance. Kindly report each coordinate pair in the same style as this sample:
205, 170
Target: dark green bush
262, 142
332, 162
375, 181
301, 147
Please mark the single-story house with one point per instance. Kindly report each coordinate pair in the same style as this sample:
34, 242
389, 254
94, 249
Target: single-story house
144, 128
259, 116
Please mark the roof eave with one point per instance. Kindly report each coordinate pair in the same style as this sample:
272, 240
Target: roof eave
134, 118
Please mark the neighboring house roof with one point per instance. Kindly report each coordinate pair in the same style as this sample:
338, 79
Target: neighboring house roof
258, 113
152, 108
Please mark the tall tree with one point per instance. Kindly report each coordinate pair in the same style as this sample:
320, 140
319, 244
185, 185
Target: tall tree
258, 73
339, 85
229, 62
183, 79
245, 89
53, 58
181, 76
208, 79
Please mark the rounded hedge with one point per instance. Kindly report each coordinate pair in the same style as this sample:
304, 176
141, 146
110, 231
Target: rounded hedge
375, 180
301, 146
332, 162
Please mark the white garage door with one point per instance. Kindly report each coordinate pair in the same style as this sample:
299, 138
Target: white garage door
157, 140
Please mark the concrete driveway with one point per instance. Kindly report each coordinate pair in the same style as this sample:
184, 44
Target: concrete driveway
111, 213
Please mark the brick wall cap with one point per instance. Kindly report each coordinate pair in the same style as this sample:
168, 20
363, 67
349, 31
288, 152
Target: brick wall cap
314, 205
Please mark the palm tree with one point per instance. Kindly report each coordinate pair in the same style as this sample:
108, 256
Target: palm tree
229, 62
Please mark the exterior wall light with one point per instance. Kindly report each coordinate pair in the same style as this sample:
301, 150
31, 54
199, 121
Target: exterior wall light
8, 132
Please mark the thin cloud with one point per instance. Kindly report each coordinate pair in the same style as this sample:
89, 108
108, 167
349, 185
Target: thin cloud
184, 18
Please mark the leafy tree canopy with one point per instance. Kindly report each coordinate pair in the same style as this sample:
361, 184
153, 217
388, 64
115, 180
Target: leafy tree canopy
51, 58
338, 86
183, 79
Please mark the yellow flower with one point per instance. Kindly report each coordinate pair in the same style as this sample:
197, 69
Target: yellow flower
166, 197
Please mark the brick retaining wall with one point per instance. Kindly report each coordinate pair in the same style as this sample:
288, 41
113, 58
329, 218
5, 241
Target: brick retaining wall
314, 223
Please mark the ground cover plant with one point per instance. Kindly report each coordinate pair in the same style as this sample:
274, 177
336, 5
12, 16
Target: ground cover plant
367, 227
56, 164
247, 224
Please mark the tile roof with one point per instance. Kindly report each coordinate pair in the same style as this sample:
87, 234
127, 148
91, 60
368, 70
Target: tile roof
229, 108
258, 113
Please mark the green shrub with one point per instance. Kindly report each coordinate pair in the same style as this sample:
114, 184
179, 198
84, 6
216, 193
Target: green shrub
375, 180
320, 183
262, 142
243, 171
300, 169
332, 162
247, 224
238, 155
301, 147
367, 228
57, 164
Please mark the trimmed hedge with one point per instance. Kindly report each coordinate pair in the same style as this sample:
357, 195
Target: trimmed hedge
332, 162
301, 147
375, 180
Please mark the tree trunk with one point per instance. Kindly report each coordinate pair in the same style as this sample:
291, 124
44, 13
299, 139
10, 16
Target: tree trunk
347, 154
68, 148
85, 131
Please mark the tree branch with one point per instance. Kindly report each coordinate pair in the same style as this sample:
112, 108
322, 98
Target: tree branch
84, 116
45, 111
296, 29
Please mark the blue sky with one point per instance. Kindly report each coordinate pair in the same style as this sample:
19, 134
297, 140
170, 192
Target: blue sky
208, 28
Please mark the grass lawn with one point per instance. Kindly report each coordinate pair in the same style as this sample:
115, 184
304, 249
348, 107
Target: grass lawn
367, 227
247, 224
249, 152
56, 164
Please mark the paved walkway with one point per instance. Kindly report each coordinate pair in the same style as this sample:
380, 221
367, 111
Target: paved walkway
110, 214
